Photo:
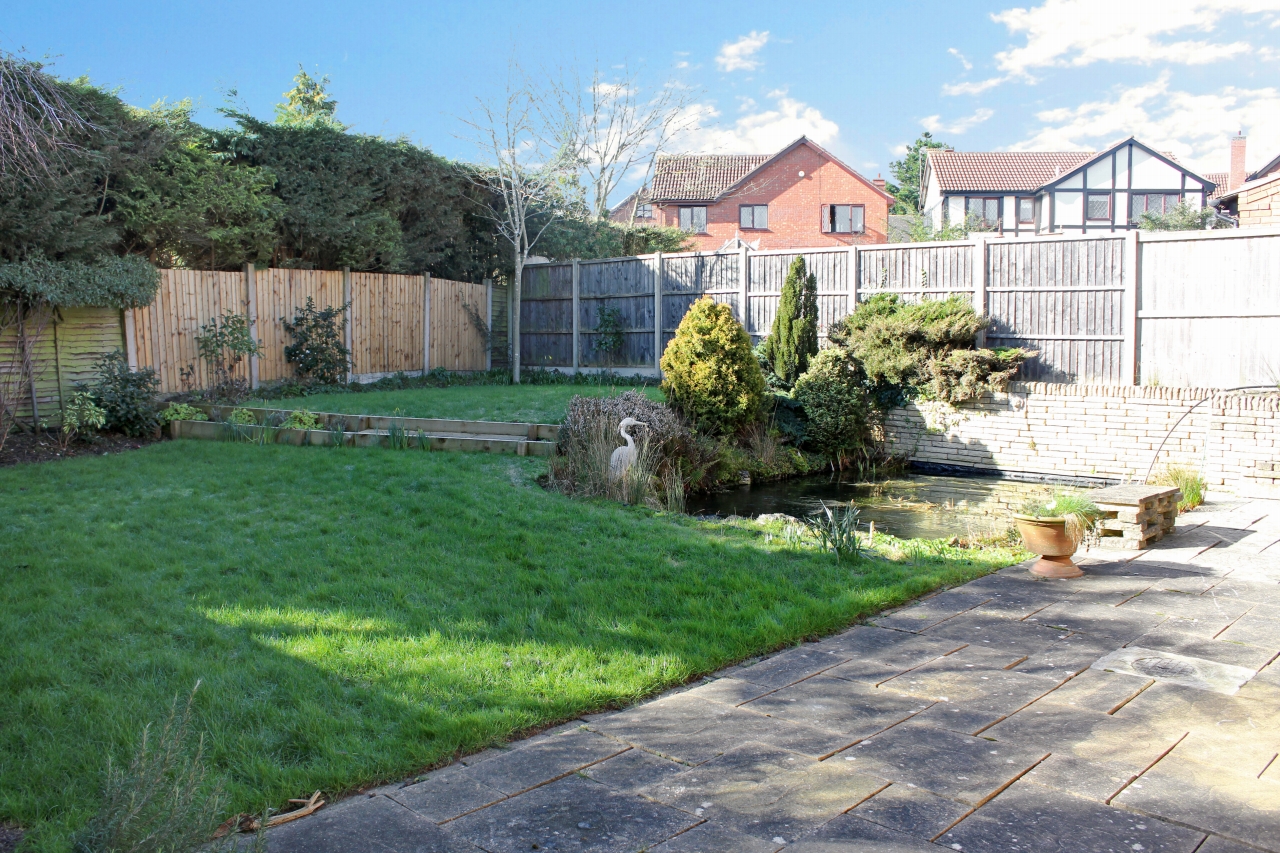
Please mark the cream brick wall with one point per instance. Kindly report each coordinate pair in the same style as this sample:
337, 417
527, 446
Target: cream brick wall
1105, 432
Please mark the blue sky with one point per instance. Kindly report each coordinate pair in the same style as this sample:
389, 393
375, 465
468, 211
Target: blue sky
861, 79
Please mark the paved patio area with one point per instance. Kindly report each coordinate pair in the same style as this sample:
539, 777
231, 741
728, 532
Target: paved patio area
1134, 709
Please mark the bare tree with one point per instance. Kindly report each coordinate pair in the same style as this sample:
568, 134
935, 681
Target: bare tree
37, 119
525, 179
609, 126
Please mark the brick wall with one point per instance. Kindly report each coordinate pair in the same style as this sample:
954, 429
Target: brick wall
1105, 432
1260, 205
795, 206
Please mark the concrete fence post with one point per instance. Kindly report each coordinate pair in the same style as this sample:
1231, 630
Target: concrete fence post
980, 284
851, 277
744, 289
576, 321
658, 284
1131, 276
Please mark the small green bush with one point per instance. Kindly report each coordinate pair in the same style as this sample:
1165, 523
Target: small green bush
301, 419
80, 416
319, 352
127, 396
710, 374
223, 344
182, 412
242, 417
793, 341
833, 394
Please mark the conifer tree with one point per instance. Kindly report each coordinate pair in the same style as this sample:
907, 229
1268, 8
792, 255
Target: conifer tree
794, 337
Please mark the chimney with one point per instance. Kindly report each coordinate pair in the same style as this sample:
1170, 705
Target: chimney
1237, 162
879, 182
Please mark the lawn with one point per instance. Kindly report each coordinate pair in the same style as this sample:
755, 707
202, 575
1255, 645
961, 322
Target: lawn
357, 615
521, 404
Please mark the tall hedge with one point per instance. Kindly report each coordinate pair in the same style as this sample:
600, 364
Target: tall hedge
793, 340
709, 372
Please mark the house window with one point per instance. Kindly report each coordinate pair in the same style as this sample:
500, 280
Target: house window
644, 211
1141, 203
986, 211
845, 219
753, 216
1026, 211
694, 219
1099, 207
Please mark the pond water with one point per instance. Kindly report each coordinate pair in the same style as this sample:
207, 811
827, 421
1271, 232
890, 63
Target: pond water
923, 506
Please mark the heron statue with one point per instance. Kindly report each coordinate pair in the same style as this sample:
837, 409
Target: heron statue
624, 457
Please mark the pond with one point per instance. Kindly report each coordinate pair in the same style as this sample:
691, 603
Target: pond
914, 506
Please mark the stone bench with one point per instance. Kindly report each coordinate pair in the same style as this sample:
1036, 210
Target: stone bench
1135, 516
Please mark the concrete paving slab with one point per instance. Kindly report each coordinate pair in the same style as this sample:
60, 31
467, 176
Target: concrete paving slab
765, 792
852, 709
693, 730
1205, 615
729, 691
931, 611
1087, 735
1254, 631
852, 834
447, 794
956, 766
974, 657
573, 814
374, 824
1218, 844
1236, 747
790, 666
1170, 706
1097, 620
987, 631
1178, 669
1225, 561
1069, 656
1093, 780
1209, 798
878, 665
633, 770
863, 641
1101, 691
911, 810
541, 760
713, 838
1168, 638
1030, 817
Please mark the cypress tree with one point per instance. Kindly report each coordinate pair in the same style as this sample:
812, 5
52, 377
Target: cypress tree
794, 337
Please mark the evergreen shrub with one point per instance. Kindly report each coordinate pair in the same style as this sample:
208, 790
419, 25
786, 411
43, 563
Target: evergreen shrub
710, 374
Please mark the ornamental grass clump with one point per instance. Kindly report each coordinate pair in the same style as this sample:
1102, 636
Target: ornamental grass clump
1080, 514
710, 374
1189, 482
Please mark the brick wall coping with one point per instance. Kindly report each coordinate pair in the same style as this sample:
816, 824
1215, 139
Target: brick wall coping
1237, 400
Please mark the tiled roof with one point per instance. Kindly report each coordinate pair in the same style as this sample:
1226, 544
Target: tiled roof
1219, 178
700, 177
1002, 171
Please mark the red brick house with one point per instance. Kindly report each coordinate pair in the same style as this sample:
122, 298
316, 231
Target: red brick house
800, 197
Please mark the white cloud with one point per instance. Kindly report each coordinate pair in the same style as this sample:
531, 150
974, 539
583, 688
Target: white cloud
682, 64
740, 55
935, 124
1193, 127
757, 130
1063, 33
968, 66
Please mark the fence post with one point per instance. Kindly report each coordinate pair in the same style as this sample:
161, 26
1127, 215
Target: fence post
980, 285
744, 288
130, 338
574, 324
1131, 272
346, 320
426, 323
657, 312
851, 276
251, 293
488, 323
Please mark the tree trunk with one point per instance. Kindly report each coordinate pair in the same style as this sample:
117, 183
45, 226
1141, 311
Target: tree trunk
514, 331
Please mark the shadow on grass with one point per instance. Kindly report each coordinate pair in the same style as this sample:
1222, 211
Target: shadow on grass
358, 615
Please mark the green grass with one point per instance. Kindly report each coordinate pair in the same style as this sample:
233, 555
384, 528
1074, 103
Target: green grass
357, 615
518, 403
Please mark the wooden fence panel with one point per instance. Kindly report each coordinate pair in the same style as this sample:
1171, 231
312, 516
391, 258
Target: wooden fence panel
387, 322
1209, 309
166, 330
281, 292
1062, 299
456, 343
546, 316
625, 286
769, 273
916, 272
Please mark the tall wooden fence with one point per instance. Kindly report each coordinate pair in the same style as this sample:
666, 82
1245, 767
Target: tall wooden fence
390, 326
1182, 308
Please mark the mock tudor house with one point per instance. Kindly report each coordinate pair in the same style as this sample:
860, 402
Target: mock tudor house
801, 196
1025, 193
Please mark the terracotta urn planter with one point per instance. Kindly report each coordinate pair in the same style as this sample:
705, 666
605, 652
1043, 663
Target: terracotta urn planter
1048, 538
